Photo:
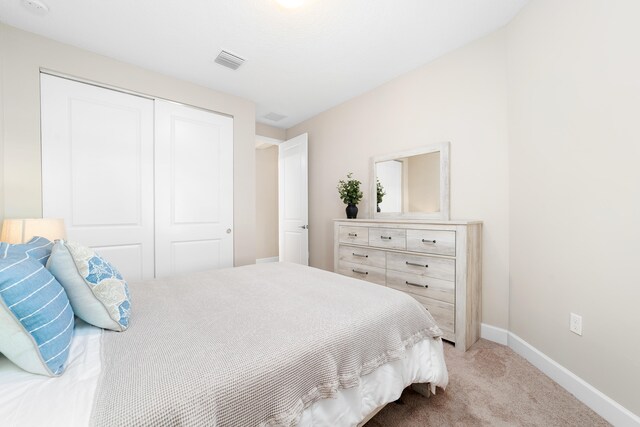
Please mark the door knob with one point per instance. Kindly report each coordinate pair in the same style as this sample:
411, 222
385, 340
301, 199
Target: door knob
304, 227
228, 231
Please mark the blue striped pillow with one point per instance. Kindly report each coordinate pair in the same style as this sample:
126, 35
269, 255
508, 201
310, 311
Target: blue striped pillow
36, 319
37, 248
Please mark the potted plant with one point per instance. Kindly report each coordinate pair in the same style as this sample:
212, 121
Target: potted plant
379, 193
350, 194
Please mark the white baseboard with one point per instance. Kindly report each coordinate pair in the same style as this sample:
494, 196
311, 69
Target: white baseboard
263, 260
600, 403
495, 334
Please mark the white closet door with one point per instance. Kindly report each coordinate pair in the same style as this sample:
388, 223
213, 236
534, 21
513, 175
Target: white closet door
97, 170
194, 189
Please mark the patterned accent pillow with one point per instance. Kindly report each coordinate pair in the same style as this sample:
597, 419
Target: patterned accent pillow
36, 319
38, 248
98, 293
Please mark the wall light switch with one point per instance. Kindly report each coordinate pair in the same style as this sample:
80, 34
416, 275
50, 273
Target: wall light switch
575, 324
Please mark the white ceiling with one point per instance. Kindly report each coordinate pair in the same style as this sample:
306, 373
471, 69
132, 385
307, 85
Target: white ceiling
299, 62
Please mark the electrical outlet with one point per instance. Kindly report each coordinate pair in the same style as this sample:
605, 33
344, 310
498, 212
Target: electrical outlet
575, 324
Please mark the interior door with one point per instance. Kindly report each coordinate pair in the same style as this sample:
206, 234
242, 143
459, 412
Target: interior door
97, 170
293, 200
194, 189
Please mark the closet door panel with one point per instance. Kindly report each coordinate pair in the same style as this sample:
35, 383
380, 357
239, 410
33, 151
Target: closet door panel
186, 256
126, 258
106, 145
196, 154
97, 170
194, 189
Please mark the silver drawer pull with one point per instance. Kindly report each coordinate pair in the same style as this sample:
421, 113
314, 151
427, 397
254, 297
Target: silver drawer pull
359, 271
428, 241
353, 234
360, 255
416, 264
385, 237
416, 284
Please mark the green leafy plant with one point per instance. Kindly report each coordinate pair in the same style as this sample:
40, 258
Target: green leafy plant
379, 191
349, 190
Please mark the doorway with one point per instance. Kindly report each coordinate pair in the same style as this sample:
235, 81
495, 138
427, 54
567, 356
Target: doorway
282, 230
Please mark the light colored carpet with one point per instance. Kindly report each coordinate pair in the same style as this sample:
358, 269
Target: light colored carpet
489, 385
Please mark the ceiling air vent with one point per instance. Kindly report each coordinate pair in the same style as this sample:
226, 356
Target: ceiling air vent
36, 6
229, 60
274, 117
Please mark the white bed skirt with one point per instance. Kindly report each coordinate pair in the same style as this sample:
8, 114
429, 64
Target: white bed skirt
28, 399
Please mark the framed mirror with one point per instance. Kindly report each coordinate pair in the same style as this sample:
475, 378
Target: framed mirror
411, 184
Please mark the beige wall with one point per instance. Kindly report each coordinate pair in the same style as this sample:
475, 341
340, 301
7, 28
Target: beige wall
461, 98
574, 153
22, 55
270, 131
267, 202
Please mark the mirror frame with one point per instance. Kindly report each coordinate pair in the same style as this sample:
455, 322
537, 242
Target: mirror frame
443, 213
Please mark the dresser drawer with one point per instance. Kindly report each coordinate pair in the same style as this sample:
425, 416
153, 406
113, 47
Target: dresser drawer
362, 256
443, 313
432, 242
362, 272
438, 268
356, 235
390, 238
441, 290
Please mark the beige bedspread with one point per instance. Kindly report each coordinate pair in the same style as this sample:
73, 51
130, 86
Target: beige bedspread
249, 346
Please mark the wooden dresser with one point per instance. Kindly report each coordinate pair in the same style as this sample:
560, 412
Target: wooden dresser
439, 263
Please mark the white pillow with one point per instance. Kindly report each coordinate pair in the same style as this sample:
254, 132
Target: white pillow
98, 293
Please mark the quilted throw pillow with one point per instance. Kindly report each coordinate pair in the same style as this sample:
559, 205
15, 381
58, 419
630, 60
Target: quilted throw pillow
36, 319
98, 293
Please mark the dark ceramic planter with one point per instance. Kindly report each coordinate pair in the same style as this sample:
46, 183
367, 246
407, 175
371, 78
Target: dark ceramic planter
352, 211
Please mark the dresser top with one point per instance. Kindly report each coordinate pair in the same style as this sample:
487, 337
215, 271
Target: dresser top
410, 221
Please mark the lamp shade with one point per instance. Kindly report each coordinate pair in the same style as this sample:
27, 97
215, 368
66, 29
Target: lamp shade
22, 230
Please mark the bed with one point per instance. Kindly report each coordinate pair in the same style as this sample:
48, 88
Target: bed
267, 344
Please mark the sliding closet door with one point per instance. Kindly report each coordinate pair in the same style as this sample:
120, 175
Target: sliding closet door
194, 189
97, 170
